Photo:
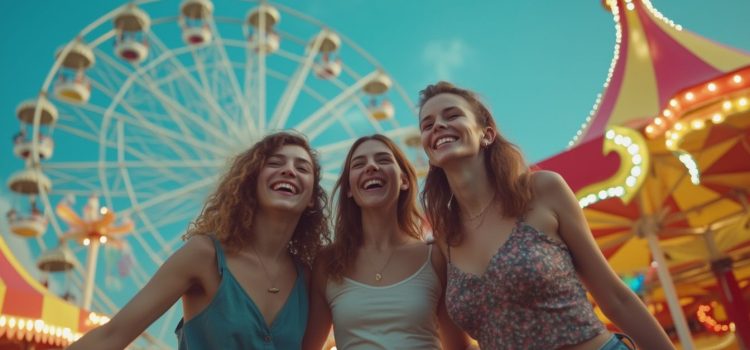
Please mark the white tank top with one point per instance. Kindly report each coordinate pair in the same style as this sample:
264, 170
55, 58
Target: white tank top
398, 316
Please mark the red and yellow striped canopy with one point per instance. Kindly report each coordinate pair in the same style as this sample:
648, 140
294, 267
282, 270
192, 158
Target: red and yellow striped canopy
30, 313
654, 59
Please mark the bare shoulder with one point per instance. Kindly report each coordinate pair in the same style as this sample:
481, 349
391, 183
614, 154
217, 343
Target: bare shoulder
545, 181
199, 247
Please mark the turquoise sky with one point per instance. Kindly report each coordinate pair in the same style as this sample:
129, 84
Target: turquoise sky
538, 64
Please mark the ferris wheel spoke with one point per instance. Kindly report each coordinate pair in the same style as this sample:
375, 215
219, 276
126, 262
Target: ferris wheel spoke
205, 84
289, 97
261, 54
226, 64
179, 66
87, 181
142, 122
156, 200
325, 109
150, 126
156, 93
364, 111
128, 185
138, 237
334, 117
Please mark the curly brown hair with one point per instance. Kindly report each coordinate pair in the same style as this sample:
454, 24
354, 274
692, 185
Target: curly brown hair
506, 168
348, 225
229, 210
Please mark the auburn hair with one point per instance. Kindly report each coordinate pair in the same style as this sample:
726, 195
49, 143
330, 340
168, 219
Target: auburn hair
506, 169
229, 211
348, 223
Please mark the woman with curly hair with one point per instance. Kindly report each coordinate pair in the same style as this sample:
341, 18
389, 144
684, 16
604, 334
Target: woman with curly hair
518, 246
379, 284
244, 270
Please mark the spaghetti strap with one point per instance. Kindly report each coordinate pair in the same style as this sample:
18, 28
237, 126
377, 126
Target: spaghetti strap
220, 260
449, 253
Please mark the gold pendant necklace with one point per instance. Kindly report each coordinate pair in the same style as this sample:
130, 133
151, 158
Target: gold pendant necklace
379, 273
272, 289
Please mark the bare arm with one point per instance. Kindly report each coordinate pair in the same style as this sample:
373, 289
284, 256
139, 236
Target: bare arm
451, 336
319, 317
170, 282
617, 301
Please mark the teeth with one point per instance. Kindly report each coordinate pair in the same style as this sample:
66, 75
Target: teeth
286, 185
443, 140
372, 182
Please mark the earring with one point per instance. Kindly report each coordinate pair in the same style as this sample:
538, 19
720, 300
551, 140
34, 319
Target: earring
485, 143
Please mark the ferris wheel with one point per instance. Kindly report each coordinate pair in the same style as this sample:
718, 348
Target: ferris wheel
141, 111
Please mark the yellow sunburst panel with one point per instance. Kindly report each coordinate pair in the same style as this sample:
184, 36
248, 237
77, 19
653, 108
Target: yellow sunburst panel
634, 165
653, 193
610, 241
739, 121
639, 79
708, 157
683, 291
688, 196
732, 180
694, 140
601, 220
632, 257
716, 55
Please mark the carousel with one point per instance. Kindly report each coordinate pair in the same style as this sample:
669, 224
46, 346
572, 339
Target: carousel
668, 199
31, 317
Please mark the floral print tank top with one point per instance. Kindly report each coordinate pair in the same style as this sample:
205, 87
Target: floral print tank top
529, 297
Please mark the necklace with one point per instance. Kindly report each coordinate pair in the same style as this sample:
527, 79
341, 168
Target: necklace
272, 289
484, 210
379, 273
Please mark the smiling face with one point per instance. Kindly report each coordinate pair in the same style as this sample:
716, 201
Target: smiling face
286, 180
450, 129
375, 178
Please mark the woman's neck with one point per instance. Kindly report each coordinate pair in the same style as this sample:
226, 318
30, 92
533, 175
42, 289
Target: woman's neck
271, 233
470, 184
380, 229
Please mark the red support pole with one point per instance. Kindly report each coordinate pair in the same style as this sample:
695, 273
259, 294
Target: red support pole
733, 301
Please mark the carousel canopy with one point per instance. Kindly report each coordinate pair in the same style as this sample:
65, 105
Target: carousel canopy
30, 313
654, 59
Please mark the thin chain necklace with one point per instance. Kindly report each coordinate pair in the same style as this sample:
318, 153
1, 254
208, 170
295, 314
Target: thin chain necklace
379, 273
484, 210
272, 289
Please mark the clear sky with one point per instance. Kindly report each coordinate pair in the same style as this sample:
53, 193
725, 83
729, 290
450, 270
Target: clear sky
538, 64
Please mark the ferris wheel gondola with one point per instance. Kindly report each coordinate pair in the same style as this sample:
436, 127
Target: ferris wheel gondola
147, 127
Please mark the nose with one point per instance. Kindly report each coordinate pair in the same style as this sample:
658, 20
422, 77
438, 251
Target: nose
439, 123
371, 166
288, 170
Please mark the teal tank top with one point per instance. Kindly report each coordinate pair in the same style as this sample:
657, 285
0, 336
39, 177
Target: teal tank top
233, 321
